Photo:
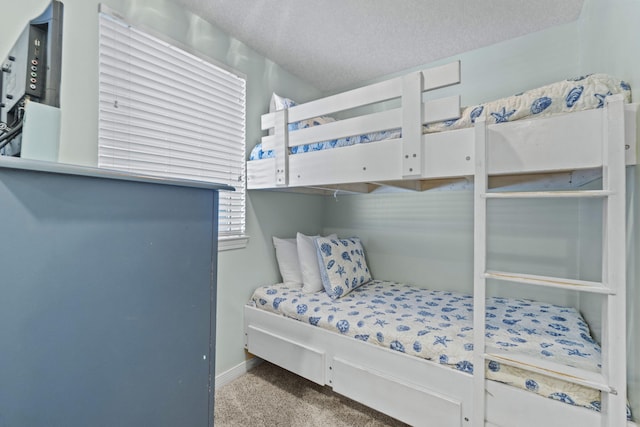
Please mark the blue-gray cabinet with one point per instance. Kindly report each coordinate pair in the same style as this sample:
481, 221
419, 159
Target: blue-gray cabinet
107, 298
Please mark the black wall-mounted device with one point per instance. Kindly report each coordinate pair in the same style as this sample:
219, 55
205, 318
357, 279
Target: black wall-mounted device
31, 71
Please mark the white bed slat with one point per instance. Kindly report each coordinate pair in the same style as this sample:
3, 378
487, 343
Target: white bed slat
281, 148
439, 110
367, 95
261, 174
419, 406
348, 127
358, 163
481, 183
614, 360
267, 121
554, 282
412, 86
554, 370
268, 142
561, 142
442, 76
578, 194
300, 359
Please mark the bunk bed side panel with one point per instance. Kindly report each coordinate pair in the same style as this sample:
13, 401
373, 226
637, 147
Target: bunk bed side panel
564, 142
631, 135
261, 174
374, 161
417, 405
448, 154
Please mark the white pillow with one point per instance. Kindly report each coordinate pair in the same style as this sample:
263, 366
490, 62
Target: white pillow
308, 260
287, 256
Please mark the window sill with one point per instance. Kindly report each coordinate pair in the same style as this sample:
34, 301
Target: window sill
230, 243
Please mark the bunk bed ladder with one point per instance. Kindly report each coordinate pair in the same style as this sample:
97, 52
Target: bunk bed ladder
611, 381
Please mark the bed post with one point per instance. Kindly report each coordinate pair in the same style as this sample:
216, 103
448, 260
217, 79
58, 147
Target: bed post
415, 112
480, 185
281, 147
412, 87
278, 141
614, 346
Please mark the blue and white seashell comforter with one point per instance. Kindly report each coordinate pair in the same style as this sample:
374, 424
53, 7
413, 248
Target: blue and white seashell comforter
582, 93
438, 326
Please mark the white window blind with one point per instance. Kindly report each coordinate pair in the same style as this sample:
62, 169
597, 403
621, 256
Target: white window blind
166, 112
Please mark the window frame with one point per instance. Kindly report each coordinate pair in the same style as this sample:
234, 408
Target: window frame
237, 237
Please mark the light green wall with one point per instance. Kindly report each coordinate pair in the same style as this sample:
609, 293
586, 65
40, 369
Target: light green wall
240, 271
427, 238
609, 39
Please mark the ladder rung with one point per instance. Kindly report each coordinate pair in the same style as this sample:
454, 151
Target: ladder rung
547, 194
553, 282
579, 376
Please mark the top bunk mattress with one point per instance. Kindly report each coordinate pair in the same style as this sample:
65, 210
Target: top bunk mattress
571, 95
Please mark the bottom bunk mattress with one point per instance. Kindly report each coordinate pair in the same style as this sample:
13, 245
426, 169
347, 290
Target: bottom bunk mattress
438, 326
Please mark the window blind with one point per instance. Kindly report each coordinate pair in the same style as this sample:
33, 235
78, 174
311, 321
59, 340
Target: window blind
166, 112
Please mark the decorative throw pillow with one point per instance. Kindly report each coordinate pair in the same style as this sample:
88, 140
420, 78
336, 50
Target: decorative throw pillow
342, 265
308, 260
287, 257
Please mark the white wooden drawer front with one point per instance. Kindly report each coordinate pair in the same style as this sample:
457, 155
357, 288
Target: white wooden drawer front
404, 401
297, 358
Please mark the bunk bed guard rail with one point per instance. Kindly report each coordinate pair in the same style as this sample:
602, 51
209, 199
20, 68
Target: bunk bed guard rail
410, 116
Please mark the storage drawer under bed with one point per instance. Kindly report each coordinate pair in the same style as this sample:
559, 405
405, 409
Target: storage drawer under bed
410, 403
298, 358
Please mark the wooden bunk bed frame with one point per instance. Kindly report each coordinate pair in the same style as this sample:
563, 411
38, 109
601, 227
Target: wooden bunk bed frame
418, 161
413, 390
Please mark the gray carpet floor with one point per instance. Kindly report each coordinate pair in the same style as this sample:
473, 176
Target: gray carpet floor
268, 395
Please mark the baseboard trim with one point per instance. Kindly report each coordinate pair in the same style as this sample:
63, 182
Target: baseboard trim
238, 370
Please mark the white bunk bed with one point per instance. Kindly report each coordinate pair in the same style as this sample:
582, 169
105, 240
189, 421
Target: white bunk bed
415, 390
415, 160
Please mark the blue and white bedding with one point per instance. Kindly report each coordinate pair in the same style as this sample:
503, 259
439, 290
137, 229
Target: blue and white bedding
582, 93
567, 96
438, 326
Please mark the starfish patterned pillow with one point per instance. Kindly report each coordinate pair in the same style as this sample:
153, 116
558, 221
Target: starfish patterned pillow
342, 265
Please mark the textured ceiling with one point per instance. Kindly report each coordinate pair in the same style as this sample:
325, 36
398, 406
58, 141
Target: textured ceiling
333, 44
